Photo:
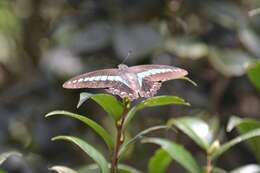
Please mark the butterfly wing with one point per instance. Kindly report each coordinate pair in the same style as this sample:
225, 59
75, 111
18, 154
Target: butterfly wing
110, 79
158, 73
151, 76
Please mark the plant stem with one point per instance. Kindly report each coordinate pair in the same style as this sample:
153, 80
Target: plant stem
119, 137
209, 165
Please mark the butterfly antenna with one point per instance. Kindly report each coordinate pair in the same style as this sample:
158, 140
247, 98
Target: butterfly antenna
127, 56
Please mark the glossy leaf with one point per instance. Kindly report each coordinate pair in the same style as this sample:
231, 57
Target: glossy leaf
159, 162
108, 102
197, 129
153, 102
62, 169
88, 149
177, 152
140, 135
253, 74
95, 126
252, 168
122, 168
245, 125
228, 145
5, 155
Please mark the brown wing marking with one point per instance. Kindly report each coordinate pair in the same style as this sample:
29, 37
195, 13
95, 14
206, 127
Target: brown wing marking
149, 88
123, 90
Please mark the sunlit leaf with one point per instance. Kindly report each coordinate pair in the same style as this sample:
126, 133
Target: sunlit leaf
252, 168
153, 102
122, 168
245, 125
96, 127
253, 74
5, 155
159, 162
62, 169
177, 152
233, 142
197, 129
140, 135
88, 149
108, 102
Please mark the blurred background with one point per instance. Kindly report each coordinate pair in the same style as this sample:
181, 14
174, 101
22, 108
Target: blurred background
45, 42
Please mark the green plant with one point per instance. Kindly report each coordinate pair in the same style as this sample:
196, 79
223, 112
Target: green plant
122, 113
201, 133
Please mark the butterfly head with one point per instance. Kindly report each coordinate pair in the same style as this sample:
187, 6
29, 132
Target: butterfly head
122, 67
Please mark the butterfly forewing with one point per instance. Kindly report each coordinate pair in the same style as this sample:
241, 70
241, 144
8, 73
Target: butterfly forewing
158, 72
97, 79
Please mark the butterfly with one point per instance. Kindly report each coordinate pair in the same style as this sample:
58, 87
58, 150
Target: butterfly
132, 82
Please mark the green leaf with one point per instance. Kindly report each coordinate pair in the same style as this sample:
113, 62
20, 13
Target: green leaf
62, 169
245, 125
90, 150
153, 102
122, 168
189, 80
177, 152
252, 168
92, 124
253, 73
159, 162
5, 156
2, 171
109, 103
139, 136
228, 145
197, 129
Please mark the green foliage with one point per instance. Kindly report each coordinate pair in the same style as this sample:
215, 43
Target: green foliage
140, 135
122, 168
109, 103
159, 162
5, 156
96, 127
245, 125
197, 129
153, 102
225, 147
177, 152
253, 73
88, 149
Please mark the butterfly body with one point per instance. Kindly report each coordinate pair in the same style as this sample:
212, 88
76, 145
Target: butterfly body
132, 82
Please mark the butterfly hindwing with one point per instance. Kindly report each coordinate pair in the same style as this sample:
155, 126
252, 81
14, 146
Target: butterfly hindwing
149, 88
123, 90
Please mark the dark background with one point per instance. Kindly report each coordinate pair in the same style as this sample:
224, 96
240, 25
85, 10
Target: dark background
45, 42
